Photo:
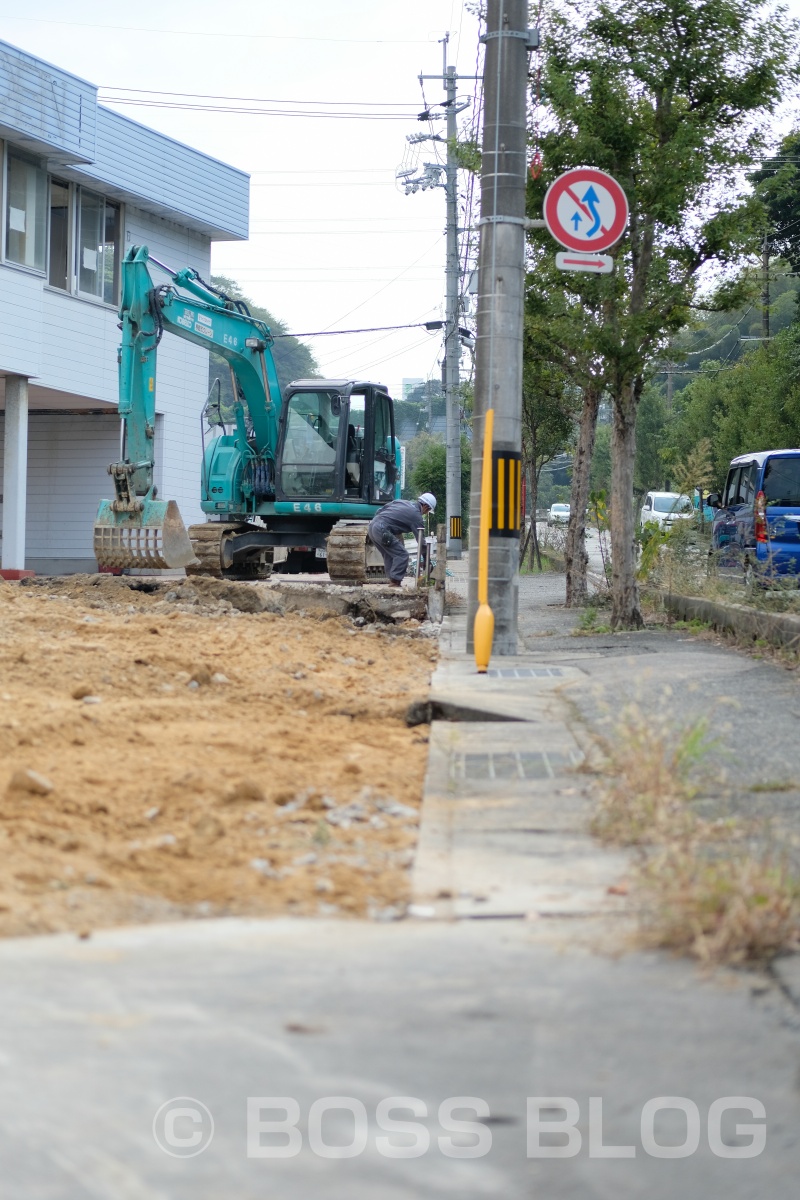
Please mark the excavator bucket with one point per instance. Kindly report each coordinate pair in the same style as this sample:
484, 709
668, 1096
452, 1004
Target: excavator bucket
156, 537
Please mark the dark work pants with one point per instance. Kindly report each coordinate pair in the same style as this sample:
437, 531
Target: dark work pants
395, 557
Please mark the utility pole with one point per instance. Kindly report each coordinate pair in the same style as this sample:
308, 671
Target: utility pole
765, 289
452, 338
501, 289
451, 373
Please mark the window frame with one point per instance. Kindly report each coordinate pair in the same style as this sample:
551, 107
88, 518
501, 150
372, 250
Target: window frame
78, 193
51, 179
75, 190
732, 486
9, 150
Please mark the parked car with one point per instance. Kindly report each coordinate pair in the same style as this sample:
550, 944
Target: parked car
665, 507
755, 535
558, 514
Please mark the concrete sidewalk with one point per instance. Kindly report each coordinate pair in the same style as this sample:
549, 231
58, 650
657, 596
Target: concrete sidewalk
516, 982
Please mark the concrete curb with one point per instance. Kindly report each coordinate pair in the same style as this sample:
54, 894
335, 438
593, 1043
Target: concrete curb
782, 629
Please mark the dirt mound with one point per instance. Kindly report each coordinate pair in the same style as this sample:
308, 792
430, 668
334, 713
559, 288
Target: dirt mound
167, 750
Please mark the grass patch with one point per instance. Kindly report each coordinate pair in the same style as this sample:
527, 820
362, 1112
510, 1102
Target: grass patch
648, 787
774, 785
589, 624
729, 910
700, 890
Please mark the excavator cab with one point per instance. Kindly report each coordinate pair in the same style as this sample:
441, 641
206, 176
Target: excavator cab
337, 443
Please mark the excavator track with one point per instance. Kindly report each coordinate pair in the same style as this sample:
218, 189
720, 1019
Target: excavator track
208, 545
351, 557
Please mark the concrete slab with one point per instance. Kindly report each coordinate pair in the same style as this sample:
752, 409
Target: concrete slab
96, 1037
503, 829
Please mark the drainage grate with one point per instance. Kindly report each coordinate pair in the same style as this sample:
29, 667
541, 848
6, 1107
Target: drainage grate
524, 764
524, 672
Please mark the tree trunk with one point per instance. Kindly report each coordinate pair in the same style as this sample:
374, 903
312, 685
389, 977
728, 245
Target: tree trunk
577, 560
535, 554
625, 612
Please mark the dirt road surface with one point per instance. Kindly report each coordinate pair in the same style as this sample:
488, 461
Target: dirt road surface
167, 752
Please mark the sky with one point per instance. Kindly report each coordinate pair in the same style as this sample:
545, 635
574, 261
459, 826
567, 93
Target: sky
334, 242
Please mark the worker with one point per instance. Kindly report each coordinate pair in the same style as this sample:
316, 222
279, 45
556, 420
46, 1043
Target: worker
387, 527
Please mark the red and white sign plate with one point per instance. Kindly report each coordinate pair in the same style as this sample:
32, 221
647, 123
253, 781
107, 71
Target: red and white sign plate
595, 264
586, 209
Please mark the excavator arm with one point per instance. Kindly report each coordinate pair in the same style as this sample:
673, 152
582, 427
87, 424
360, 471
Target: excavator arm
135, 529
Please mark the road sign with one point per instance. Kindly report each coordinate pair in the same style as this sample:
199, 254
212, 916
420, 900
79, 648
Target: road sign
586, 209
594, 264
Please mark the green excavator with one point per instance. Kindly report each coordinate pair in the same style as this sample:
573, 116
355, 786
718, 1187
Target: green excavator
290, 480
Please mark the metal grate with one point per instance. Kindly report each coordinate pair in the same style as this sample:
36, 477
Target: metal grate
524, 672
523, 764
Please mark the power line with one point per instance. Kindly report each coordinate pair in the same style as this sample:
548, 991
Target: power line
370, 329
336, 232
389, 284
260, 100
258, 112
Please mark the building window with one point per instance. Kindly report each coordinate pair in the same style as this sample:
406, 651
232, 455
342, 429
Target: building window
26, 212
98, 247
58, 249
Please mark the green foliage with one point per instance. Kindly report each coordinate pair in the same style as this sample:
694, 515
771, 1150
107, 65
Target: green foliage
672, 99
778, 186
428, 471
723, 335
293, 360
467, 154
754, 405
600, 476
651, 538
651, 435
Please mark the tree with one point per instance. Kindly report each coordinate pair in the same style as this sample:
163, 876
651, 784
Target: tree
651, 438
558, 347
778, 186
293, 360
600, 476
548, 413
670, 97
752, 405
429, 470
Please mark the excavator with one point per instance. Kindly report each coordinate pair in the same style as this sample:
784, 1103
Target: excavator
287, 480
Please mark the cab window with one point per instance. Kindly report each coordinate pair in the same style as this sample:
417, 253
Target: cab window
383, 450
308, 465
354, 453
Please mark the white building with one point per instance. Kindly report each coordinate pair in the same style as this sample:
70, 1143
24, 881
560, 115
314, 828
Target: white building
79, 185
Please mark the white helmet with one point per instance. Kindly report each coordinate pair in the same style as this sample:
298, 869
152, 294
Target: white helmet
429, 499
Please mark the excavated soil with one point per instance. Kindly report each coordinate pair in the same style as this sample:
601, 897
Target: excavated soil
167, 749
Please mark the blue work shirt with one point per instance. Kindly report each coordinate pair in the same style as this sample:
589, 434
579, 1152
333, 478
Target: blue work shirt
400, 516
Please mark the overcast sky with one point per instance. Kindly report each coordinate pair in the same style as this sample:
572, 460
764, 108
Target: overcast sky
334, 243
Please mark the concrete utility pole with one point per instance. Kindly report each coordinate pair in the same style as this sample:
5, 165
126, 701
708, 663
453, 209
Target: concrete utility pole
452, 340
451, 373
501, 288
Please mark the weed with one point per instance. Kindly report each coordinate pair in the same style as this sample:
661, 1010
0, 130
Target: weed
648, 792
732, 909
701, 892
587, 625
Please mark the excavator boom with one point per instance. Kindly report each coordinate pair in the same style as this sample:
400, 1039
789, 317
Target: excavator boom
135, 529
